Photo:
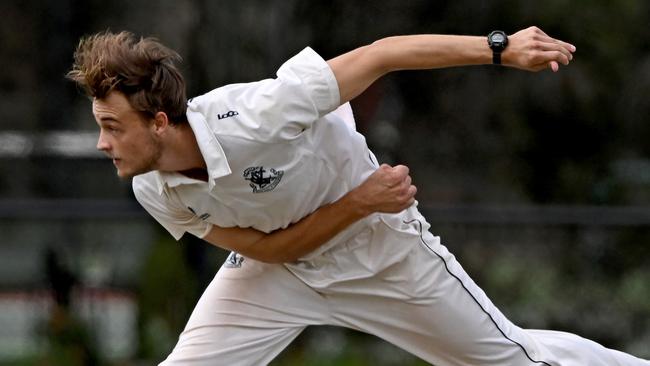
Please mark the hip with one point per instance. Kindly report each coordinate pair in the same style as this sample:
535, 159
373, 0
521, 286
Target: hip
371, 246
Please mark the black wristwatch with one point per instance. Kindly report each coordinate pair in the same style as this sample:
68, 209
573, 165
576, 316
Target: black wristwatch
498, 41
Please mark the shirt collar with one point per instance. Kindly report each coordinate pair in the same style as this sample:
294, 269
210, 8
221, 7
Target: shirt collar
213, 154
171, 180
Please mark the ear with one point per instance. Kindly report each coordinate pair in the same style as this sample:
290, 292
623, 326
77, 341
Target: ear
160, 123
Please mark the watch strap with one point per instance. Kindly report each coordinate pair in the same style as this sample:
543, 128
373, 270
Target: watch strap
496, 58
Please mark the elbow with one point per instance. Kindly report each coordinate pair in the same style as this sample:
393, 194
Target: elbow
380, 52
373, 59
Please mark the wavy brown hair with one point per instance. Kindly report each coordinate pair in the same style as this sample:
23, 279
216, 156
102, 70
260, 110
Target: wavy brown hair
142, 69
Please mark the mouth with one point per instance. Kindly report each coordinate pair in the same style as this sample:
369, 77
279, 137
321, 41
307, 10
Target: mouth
116, 161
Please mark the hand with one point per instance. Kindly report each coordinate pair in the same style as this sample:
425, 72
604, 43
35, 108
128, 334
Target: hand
388, 190
533, 50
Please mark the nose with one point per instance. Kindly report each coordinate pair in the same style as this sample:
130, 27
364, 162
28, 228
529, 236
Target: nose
102, 144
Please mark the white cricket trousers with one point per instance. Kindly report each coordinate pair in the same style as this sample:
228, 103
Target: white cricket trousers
417, 297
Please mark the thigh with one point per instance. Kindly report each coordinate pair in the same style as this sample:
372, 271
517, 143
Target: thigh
427, 305
246, 316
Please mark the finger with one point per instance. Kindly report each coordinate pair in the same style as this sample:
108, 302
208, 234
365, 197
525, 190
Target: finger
565, 45
568, 46
549, 46
399, 173
549, 56
407, 194
413, 190
403, 189
407, 181
559, 57
553, 65
402, 169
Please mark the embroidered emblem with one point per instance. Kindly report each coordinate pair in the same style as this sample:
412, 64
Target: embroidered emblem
227, 114
234, 260
202, 216
261, 182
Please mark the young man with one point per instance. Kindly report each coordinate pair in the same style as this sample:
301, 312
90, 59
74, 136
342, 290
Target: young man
320, 232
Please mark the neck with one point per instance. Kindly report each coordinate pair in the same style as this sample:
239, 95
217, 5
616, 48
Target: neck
198, 174
180, 151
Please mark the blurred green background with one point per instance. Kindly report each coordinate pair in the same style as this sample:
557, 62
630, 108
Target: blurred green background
539, 183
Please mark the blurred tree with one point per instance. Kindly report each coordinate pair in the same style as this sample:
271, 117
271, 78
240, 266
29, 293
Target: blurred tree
167, 293
69, 341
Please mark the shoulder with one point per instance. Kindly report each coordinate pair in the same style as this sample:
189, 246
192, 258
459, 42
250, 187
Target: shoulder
271, 110
305, 67
305, 61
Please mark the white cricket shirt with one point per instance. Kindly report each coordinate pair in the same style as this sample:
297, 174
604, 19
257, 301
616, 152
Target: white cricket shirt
274, 151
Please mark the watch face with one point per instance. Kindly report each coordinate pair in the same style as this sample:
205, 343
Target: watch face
498, 38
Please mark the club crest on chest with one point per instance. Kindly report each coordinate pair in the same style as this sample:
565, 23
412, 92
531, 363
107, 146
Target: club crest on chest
260, 180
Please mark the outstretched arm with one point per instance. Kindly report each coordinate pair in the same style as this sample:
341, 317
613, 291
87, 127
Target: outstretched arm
529, 49
388, 189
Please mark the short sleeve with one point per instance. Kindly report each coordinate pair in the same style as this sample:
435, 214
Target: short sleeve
170, 214
312, 77
304, 90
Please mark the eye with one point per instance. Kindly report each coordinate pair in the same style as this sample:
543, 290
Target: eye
112, 129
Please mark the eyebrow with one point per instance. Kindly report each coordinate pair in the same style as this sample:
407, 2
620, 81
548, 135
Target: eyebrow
107, 119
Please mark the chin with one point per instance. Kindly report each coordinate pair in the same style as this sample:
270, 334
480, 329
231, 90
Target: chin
123, 175
126, 174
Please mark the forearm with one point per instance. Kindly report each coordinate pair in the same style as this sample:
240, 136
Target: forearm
433, 51
356, 70
312, 231
297, 240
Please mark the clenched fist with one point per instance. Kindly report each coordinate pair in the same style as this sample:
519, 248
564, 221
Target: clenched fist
388, 190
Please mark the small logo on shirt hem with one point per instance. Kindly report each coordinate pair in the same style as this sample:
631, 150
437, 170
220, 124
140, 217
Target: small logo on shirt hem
261, 182
202, 216
234, 260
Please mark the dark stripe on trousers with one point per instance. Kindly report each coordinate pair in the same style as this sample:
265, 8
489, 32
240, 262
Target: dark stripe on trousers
472, 295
